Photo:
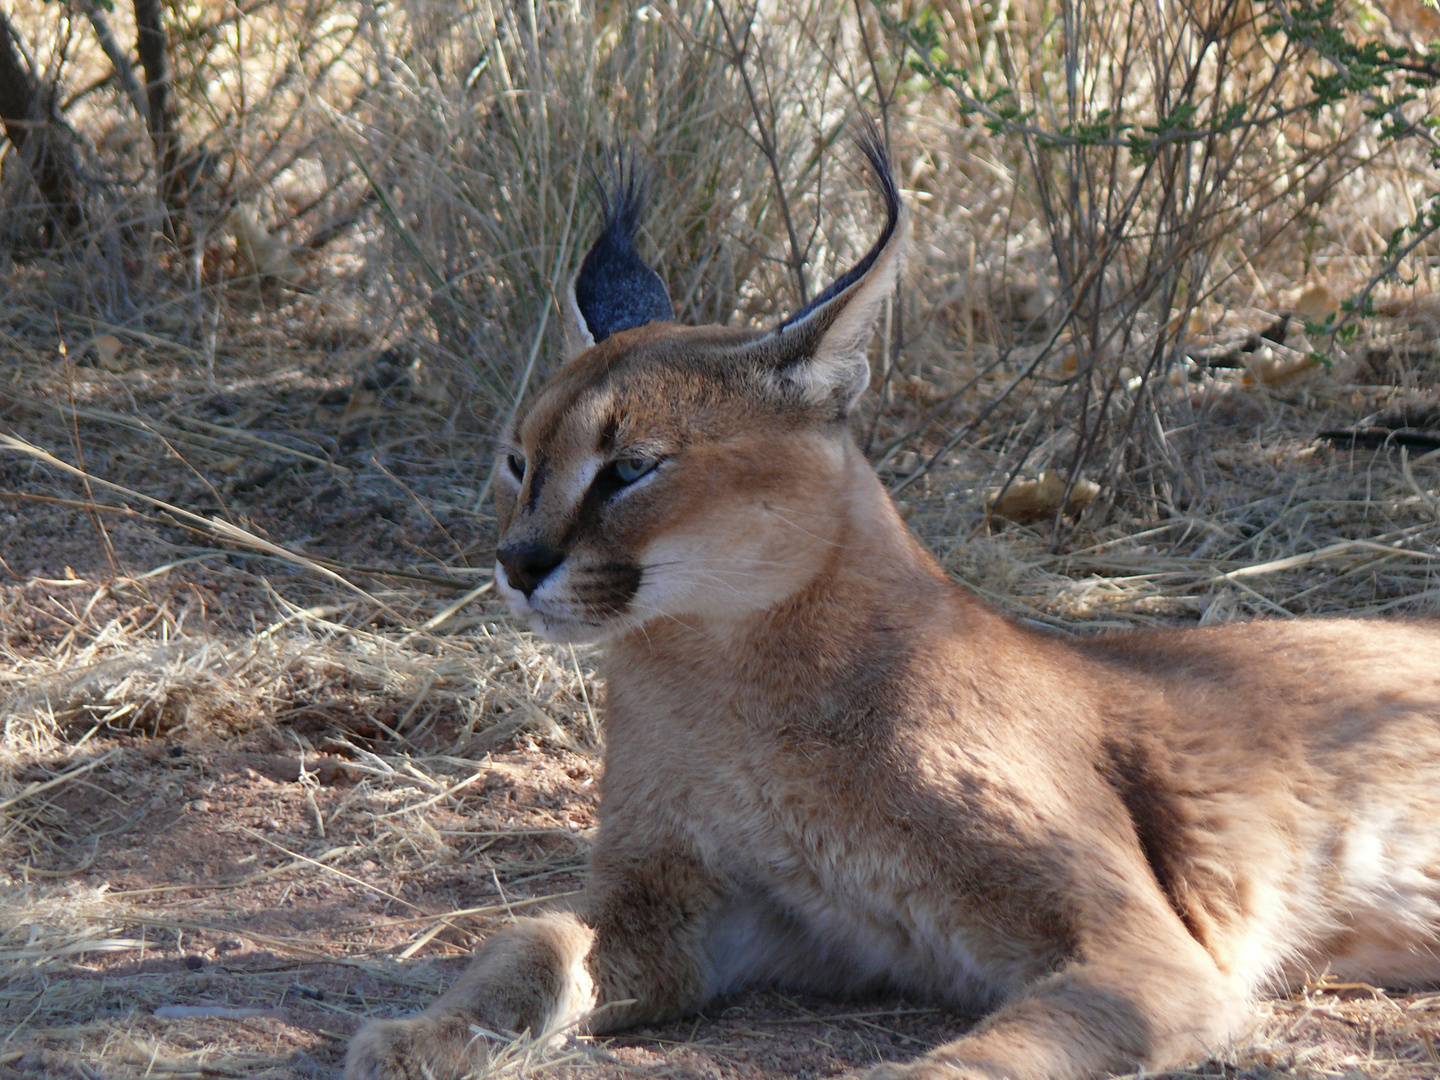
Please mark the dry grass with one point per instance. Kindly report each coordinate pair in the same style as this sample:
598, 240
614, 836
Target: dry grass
1291, 525
270, 751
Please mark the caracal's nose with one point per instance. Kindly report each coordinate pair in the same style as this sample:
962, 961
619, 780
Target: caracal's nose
527, 564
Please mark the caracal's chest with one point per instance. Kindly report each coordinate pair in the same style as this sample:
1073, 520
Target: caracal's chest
839, 872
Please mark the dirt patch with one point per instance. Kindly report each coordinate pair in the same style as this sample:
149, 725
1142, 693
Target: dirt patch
293, 893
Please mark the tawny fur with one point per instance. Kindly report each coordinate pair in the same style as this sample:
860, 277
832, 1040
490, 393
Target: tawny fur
830, 768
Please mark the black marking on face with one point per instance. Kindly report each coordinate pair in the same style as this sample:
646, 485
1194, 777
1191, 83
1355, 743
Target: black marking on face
539, 473
607, 589
608, 434
603, 488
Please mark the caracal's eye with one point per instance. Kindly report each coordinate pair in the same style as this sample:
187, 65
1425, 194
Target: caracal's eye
628, 470
517, 466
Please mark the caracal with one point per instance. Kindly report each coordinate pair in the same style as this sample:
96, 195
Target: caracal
830, 768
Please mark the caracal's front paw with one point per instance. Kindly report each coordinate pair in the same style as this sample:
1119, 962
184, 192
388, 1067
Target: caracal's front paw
420, 1048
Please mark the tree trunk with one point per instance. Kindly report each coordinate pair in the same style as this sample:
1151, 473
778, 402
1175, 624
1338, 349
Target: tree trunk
152, 45
40, 141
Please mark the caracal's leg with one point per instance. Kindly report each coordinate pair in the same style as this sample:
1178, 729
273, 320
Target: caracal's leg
631, 954
1142, 996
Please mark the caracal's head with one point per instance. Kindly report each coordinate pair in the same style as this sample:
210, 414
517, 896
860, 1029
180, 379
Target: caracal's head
693, 474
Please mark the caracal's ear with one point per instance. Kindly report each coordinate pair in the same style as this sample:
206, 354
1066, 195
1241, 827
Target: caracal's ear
614, 289
819, 353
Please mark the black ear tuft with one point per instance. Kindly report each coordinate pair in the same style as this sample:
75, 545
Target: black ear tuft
818, 356
873, 147
615, 290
